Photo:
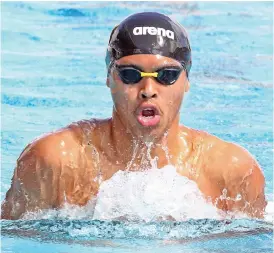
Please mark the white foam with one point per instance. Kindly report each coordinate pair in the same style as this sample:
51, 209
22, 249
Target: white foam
269, 212
152, 195
68, 211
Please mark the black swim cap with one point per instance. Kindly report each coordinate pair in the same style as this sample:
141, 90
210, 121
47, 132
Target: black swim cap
149, 33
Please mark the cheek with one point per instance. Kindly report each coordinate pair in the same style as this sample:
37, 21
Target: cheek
120, 90
177, 93
174, 99
123, 97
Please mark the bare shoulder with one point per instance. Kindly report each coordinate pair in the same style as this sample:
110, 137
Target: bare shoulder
243, 177
55, 145
63, 148
228, 156
42, 167
50, 146
219, 154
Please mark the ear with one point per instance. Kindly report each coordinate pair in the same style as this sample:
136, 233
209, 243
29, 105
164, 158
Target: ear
109, 78
187, 85
107, 82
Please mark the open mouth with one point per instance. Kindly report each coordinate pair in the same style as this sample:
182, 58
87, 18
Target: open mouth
148, 113
148, 116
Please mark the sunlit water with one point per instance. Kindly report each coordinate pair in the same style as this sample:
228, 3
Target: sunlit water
53, 73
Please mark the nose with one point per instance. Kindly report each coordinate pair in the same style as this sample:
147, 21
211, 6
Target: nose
148, 88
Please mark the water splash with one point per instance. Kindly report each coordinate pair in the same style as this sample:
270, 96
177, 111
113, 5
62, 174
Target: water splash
153, 194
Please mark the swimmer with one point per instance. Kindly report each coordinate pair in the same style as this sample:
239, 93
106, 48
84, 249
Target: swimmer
148, 62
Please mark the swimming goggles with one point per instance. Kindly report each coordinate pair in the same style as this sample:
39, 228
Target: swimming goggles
132, 75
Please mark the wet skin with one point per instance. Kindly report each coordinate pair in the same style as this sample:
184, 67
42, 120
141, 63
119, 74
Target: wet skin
68, 165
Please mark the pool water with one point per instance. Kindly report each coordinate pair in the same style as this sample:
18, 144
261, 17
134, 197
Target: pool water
53, 73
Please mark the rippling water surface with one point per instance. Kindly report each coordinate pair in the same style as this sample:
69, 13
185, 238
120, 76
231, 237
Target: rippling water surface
53, 73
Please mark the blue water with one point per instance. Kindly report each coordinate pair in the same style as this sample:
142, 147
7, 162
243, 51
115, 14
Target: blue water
53, 73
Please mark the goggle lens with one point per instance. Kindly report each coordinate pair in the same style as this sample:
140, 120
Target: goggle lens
168, 76
129, 75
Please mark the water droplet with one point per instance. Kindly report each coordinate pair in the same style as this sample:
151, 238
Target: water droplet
238, 197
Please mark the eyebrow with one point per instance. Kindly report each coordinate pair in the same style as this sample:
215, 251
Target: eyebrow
130, 65
154, 70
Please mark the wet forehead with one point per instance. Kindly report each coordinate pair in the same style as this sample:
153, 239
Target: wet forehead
148, 62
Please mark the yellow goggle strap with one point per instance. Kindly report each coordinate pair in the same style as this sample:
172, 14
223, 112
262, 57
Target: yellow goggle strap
153, 74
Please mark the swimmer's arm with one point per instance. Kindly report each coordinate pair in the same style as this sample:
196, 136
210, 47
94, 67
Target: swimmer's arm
244, 182
34, 183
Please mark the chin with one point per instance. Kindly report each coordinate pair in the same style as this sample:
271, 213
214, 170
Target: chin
148, 134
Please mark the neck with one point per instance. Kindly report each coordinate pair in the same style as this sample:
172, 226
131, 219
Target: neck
137, 153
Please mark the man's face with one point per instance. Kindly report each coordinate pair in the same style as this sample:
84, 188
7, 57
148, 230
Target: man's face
148, 108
